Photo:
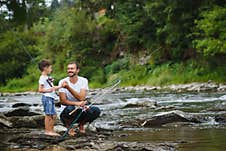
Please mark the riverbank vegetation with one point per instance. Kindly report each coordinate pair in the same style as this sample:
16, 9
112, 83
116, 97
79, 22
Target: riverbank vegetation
156, 42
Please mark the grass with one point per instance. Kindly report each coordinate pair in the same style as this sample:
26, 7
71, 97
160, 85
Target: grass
165, 74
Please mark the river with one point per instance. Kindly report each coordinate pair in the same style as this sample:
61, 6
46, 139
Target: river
122, 106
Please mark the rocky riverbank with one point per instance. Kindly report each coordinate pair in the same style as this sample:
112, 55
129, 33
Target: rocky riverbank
22, 130
192, 87
146, 109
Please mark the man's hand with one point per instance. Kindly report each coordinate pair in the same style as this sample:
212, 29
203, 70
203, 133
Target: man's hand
65, 84
86, 107
82, 103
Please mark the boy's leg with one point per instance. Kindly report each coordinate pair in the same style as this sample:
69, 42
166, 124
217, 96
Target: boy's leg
49, 125
52, 122
48, 121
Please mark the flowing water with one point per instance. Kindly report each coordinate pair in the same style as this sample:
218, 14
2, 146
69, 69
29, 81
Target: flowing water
208, 135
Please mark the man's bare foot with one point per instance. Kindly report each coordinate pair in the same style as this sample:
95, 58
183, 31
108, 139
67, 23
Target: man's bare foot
72, 132
52, 133
82, 129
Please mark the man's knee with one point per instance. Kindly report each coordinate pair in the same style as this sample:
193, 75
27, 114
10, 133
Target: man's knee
95, 111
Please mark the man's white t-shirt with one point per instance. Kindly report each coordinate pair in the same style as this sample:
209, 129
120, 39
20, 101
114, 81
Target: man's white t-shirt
82, 83
43, 81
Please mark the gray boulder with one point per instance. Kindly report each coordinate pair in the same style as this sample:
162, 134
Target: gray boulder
22, 111
221, 118
21, 105
161, 119
169, 117
27, 121
4, 122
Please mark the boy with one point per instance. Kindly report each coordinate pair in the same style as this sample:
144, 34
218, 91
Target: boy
47, 88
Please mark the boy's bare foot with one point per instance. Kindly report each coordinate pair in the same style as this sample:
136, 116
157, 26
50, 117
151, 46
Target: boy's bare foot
72, 132
82, 129
52, 134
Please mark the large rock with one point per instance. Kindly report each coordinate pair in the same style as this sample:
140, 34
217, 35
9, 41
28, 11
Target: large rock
36, 121
221, 118
169, 117
221, 87
161, 119
21, 105
27, 121
4, 122
22, 111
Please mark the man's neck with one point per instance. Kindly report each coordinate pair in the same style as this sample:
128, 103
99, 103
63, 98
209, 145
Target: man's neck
74, 79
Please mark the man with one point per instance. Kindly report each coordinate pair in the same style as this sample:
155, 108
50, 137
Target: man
73, 94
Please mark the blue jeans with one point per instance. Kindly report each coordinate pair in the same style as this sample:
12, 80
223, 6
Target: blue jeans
48, 105
86, 116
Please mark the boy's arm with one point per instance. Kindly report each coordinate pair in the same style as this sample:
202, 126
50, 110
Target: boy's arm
41, 89
57, 87
65, 101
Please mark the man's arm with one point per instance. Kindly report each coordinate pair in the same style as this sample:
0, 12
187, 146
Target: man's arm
65, 101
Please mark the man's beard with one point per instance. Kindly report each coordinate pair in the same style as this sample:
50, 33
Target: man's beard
74, 74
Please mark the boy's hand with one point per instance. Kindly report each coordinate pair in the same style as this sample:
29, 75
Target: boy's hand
52, 89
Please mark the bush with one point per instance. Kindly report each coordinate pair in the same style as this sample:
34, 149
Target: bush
116, 66
211, 28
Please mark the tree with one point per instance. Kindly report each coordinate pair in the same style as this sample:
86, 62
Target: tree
211, 31
24, 12
54, 5
16, 52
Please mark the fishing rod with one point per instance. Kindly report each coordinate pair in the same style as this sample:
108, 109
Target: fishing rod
98, 96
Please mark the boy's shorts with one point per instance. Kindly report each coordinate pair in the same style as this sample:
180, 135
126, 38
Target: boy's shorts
48, 105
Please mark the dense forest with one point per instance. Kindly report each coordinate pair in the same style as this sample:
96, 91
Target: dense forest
142, 42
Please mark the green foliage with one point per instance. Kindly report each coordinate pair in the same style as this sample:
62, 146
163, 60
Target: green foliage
185, 41
29, 82
97, 78
212, 32
173, 24
135, 26
16, 51
116, 66
177, 73
136, 75
24, 12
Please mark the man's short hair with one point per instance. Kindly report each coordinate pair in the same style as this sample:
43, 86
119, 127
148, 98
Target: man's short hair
74, 62
43, 63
